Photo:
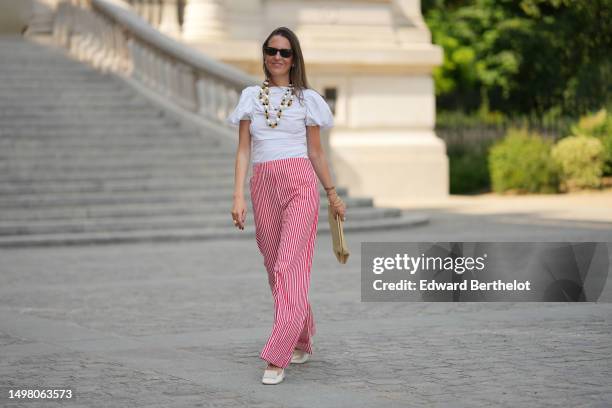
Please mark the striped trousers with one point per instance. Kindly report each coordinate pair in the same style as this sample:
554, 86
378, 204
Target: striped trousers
285, 198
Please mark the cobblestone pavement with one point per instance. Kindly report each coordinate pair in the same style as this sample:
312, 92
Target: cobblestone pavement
182, 325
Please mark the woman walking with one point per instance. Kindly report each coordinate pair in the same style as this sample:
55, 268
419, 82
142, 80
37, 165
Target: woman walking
281, 119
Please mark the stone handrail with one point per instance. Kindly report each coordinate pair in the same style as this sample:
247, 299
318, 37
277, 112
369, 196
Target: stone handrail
109, 35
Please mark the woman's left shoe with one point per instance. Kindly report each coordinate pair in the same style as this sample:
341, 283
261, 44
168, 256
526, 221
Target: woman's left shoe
273, 376
299, 356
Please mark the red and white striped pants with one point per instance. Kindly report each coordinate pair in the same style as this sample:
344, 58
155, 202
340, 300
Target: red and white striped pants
285, 197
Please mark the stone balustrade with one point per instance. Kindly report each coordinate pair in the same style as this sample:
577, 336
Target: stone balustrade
111, 36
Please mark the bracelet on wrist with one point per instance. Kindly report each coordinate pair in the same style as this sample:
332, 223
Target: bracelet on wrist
329, 188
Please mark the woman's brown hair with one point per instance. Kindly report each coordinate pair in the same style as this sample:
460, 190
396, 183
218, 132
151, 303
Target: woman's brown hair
297, 73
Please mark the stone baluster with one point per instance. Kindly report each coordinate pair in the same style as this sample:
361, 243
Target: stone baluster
173, 80
166, 72
205, 96
186, 92
136, 58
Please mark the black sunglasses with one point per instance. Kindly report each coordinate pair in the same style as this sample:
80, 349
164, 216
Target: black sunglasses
284, 52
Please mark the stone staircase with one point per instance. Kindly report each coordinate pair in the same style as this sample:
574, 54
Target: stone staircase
84, 158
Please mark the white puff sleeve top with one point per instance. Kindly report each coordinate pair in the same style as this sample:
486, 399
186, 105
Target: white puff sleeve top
288, 139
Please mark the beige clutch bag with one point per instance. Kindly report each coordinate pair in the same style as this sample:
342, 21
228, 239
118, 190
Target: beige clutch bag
338, 242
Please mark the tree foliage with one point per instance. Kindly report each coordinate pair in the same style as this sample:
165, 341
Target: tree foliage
522, 56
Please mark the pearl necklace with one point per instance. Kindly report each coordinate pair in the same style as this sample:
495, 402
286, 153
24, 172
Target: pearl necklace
265, 100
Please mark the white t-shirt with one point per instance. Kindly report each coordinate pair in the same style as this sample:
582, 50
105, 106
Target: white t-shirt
288, 139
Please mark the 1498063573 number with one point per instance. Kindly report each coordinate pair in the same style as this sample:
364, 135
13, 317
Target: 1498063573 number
40, 394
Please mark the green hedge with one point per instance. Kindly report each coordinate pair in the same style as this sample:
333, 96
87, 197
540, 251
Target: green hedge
580, 160
598, 125
469, 171
521, 162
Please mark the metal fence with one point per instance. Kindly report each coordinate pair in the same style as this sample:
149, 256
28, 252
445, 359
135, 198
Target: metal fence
468, 131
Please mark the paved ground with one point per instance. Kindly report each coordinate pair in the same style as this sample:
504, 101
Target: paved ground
182, 324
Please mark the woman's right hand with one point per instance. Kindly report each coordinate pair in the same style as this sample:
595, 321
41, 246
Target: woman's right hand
239, 212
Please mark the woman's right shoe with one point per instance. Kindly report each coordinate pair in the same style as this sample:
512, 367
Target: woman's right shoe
299, 356
273, 376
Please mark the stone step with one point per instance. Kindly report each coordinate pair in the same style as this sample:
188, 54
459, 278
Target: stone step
64, 82
21, 91
140, 174
124, 122
171, 141
51, 110
100, 96
63, 73
29, 47
27, 200
51, 86
34, 186
123, 130
127, 210
46, 154
165, 137
40, 62
25, 72
32, 56
70, 100
109, 168
12, 108
191, 233
54, 62
29, 50
111, 224
119, 173
69, 118
107, 134
20, 156
112, 166
83, 102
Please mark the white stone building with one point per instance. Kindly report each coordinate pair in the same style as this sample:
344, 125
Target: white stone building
371, 59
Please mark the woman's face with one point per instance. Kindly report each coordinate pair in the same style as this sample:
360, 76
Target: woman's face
277, 65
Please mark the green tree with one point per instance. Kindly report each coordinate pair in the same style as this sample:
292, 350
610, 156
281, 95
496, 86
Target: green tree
518, 57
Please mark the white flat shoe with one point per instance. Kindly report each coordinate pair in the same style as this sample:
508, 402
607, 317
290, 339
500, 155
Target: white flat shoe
299, 356
272, 376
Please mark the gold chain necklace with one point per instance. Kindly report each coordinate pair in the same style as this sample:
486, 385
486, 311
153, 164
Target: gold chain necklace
265, 100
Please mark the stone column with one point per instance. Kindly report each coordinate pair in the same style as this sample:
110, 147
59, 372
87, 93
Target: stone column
205, 20
169, 18
146, 11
